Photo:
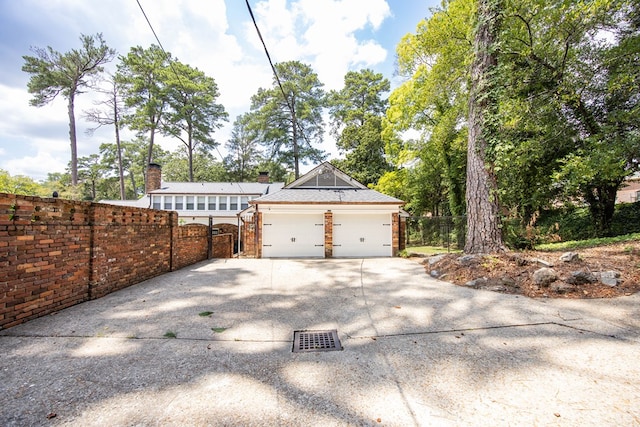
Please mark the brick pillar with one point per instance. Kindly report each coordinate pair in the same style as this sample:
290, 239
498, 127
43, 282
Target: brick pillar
258, 217
403, 234
328, 234
154, 177
395, 233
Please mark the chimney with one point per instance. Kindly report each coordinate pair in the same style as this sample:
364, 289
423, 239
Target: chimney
154, 177
263, 177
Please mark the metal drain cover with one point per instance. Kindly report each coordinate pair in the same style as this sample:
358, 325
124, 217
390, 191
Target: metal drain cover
307, 341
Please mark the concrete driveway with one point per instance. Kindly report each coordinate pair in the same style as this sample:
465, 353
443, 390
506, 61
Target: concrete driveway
417, 351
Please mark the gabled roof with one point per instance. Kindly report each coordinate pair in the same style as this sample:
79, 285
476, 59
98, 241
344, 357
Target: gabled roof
218, 188
326, 184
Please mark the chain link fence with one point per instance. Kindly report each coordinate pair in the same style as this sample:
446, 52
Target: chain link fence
441, 231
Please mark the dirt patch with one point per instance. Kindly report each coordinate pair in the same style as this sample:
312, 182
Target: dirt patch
513, 272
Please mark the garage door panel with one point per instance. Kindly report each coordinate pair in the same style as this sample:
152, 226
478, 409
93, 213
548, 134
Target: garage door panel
361, 235
292, 235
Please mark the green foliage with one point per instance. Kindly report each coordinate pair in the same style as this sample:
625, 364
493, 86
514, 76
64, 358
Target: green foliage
588, 243
356, 112
433, 100
19, 184
193, 114
289, 125
69, 74
244, 151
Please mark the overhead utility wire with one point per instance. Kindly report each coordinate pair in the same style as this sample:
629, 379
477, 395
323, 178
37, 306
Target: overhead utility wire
275, 73
169, 59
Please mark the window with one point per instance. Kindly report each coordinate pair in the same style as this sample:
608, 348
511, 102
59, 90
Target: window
201, 203
189, 203
179, 204
212, 203
244, 203
168, 202
223, 203
155, 202
233, 204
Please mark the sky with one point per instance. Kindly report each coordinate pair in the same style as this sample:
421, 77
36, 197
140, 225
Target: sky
215, 36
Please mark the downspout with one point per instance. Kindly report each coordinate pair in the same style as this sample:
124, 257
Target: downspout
239, 236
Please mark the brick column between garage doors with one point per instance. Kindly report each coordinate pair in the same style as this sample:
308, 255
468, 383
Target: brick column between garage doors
395, 233
328, 234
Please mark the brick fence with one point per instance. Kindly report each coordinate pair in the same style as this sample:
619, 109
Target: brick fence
56, 253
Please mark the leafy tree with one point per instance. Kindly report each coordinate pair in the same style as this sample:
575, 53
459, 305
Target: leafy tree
289, 115
356, 112
90, 173
69, 74
19, 184
244, 151
433, 100
142, 74
205, 167
111, 113
193, 115
586, 88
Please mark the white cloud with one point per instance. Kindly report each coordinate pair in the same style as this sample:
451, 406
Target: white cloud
322, 33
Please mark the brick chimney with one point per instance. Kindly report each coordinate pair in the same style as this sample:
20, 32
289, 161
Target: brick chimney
263, 177
154, 177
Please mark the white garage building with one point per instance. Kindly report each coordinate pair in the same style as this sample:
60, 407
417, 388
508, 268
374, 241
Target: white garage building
324, 214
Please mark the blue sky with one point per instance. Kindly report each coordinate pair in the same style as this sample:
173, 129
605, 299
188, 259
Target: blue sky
216, 36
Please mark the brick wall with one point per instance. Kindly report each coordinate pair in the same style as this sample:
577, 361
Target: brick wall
223, 246
56, 253
193, 247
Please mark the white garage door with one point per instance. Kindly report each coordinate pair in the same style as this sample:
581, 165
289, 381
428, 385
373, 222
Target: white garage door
361, 235
292, 235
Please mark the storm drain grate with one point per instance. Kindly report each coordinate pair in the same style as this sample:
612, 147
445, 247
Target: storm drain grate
306, 341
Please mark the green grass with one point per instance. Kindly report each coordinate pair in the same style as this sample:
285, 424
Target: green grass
218, 330
430, 250
205, 313
589, 243
170, 334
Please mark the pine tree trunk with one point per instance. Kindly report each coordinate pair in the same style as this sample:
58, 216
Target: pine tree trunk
483, 222
73, 140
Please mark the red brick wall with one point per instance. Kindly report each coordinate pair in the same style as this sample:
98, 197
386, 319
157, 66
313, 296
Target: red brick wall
194, 245
223, 246
56, 253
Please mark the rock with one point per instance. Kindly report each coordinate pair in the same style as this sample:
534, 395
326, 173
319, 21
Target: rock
476, 283
544, 276
467, 259
436, 259
542, 262
581, 277
610, 278
435, 273
497, 288
562, 288
569, 257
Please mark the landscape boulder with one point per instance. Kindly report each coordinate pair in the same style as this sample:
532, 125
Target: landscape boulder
544, 276
610, 278
569, 257
581, 277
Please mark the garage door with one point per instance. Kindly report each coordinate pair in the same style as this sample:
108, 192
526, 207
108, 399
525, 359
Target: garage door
292, 235
361, 235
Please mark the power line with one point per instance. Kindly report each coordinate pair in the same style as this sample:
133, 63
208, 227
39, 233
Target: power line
275, 73
170, 61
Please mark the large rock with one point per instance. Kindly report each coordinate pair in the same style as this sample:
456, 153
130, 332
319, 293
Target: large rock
467, 260
569, 257
477, 283
436, 259
581, 277
544, 276
610, 278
